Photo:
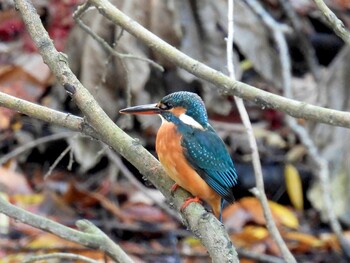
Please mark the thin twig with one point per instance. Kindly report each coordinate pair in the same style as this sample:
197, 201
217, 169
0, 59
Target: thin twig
304, 136
57, 161
81, 9
320, 161
305, 45
46, 114
132, 227
71, 161
323, 175
89, 235
61, 256
207, 228
32, 144
260, 190
110, 49
262, 98
268, 20
230, 39
333, 21
258, 257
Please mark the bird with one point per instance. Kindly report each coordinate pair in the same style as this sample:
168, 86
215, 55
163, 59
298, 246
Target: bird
190, 150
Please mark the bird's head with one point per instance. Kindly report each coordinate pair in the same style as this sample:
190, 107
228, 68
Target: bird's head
182, 106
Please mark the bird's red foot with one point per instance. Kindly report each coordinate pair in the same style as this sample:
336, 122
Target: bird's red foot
190, 200
174, 188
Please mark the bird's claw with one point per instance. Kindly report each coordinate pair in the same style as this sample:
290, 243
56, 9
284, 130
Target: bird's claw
174, 188
190, 200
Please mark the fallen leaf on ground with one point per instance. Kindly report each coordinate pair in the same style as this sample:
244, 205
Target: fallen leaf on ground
248, 209
13, 182
302, 242
294, 186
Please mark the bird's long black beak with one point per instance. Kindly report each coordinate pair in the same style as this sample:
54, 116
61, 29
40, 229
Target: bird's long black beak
142, 109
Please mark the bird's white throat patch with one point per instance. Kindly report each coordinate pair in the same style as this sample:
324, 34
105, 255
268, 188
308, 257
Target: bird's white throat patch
190, 121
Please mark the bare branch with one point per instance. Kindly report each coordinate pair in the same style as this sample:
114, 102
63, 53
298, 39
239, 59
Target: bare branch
264, 99
21, 149
322, 171
259, 257
198, 220
89, 235
322, 164
110, 50
60, 256
333, 21
67, 120
57, 161
206, 227
260, 191
305, 45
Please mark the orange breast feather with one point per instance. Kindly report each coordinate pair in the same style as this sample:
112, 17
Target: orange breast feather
170, 154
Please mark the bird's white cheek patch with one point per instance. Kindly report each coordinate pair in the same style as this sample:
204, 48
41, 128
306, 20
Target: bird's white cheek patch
190, 121
163, 120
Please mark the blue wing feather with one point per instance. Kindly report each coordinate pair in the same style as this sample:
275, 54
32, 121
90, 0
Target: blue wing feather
207, 153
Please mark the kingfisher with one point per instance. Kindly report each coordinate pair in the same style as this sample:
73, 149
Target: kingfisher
190, 150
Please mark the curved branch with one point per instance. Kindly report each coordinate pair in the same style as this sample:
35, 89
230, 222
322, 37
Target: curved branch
333, 21
264, 99
89, 235
67, 120
259, 180
321, 163
111, 50
60, 256
39, 112
21, 149
204, 225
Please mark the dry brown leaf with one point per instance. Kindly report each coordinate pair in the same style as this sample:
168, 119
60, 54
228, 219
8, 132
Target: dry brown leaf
203, 39
13, 258
256, 43
272, 138
305, 88
333, 142
18, 82
294, 186
252, 205
250, 236
100, 256
235, 217
143, 212
23, 84
165, 23
283, 215
296, 153
5, 117
29, 202
302, 242
13, 182
332, 241
35, 67
47, 240
85, 152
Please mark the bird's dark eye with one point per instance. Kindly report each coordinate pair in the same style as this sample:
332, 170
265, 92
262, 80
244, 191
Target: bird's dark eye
164, 106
